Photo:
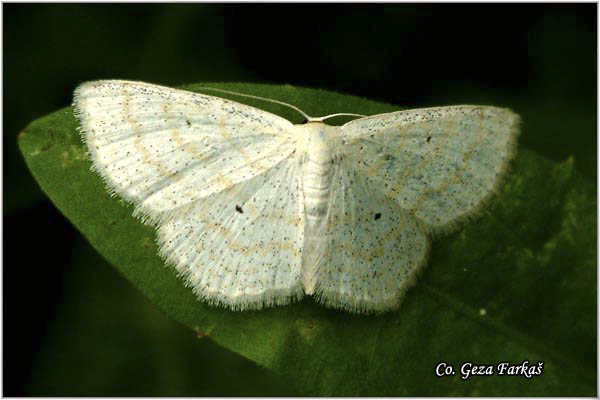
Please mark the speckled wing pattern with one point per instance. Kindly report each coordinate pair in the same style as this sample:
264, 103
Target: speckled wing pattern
242, 247
214, 176
163, 148
439, 164
403, 176
223, 184
373, 247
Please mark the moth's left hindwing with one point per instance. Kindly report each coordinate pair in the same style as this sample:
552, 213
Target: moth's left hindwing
216, 178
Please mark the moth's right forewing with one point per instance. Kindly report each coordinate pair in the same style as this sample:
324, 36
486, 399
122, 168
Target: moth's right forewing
440, 164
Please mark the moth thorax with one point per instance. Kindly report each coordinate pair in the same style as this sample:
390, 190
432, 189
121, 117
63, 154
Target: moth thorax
314, 141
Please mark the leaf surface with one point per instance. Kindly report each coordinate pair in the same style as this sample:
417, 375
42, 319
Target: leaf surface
518, 283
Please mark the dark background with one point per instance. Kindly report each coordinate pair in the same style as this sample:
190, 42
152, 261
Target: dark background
72, 325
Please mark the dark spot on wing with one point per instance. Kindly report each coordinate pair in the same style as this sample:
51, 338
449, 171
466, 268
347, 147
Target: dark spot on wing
428, 139
377, 216
239, 209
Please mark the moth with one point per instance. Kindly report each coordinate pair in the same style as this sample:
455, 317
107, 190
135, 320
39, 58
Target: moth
254, 211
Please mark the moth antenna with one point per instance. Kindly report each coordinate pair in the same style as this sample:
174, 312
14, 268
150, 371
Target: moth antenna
305, 115
321, 119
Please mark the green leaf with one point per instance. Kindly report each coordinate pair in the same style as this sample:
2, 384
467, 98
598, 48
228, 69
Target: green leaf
96, 343
518, 283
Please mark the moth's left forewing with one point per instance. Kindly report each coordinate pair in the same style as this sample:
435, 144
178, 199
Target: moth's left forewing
217, 179
440, 164
163, 148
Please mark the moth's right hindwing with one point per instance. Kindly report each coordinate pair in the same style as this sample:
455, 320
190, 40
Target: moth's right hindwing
374, 248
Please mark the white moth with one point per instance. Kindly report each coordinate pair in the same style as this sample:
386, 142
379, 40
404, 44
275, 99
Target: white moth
254, 211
